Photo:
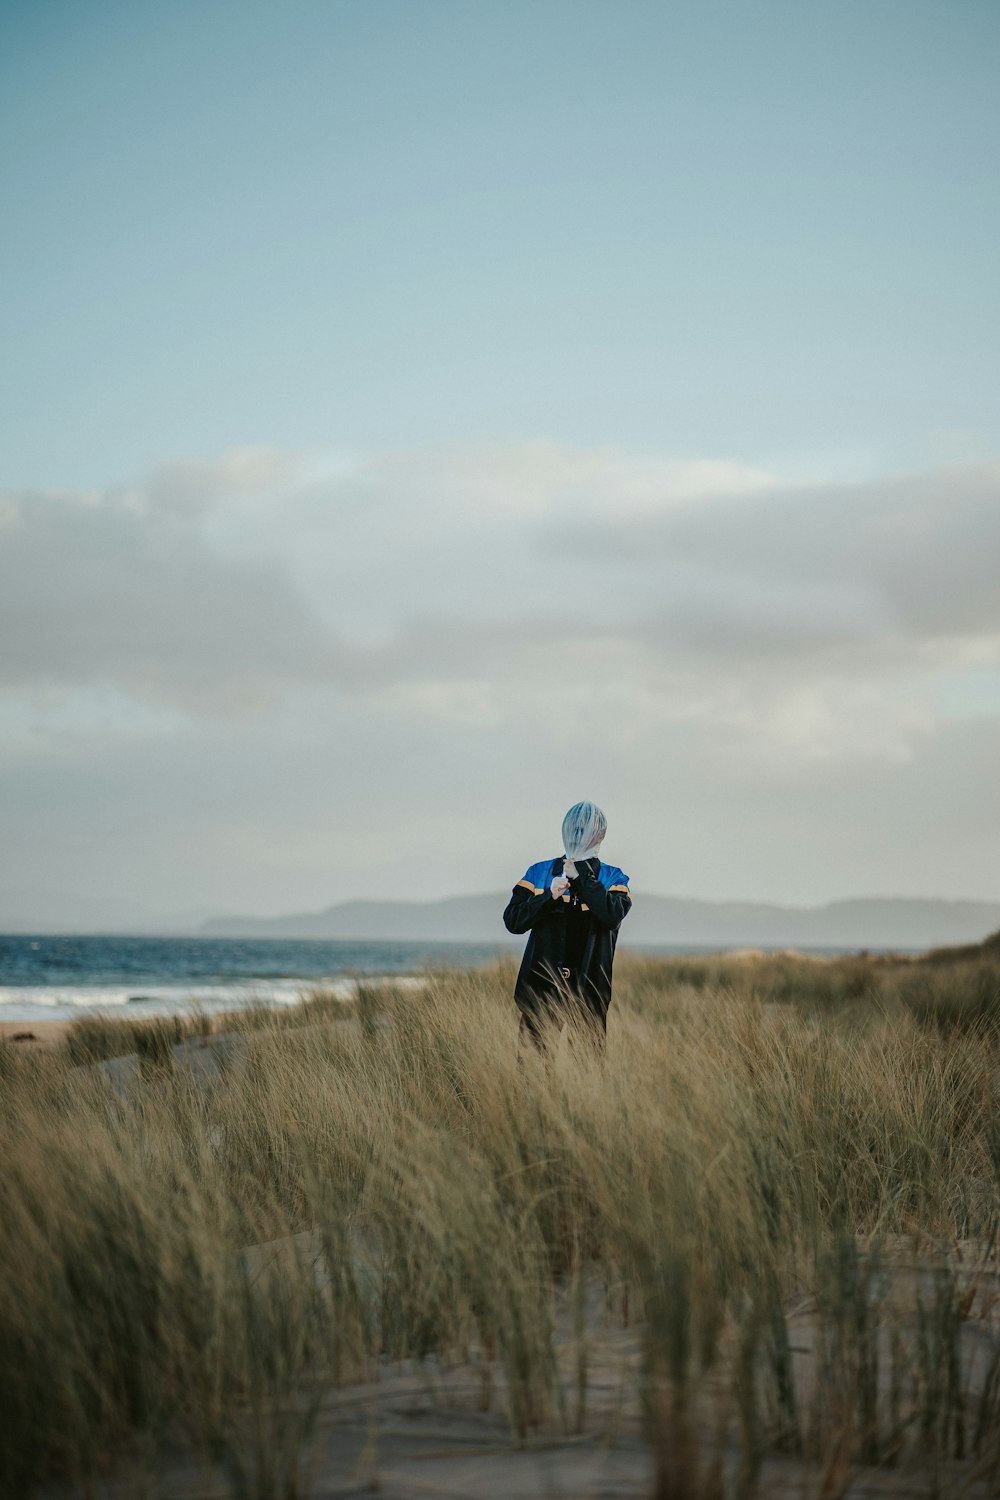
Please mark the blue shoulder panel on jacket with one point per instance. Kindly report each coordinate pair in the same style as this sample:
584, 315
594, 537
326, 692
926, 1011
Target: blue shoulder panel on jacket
541, 875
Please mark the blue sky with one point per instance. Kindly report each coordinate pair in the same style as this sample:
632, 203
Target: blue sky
397, 395
764, 232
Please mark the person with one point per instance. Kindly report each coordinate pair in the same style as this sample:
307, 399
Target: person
571, 907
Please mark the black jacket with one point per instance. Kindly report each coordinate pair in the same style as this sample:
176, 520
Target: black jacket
600, 897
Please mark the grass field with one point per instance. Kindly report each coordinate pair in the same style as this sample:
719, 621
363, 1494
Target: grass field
784, 1181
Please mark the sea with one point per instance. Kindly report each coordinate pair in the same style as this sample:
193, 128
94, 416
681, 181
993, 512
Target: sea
54, 977
49, 977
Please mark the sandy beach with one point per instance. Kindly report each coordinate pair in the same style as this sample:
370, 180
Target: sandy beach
34, 1033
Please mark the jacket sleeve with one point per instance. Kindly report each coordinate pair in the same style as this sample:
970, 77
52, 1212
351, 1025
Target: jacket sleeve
528, 907
607, 907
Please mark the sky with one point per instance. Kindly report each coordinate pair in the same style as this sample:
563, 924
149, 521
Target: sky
415, 417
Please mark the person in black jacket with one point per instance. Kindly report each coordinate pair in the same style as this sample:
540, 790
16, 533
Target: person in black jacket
571, 907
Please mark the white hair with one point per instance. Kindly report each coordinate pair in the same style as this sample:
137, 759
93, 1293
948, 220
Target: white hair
583, 829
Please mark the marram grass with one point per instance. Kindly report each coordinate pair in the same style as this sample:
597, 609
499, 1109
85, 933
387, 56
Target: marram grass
764, 1136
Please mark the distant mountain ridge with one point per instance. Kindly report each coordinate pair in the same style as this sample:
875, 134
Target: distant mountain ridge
872, 922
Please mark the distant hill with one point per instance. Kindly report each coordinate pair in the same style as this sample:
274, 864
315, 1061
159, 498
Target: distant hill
876, 922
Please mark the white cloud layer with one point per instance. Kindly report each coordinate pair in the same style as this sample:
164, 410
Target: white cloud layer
497, 629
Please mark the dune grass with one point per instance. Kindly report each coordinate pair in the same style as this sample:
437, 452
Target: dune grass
97, 1035
765, 1136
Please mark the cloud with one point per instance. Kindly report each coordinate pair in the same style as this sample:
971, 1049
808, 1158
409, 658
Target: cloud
279, 671
119, 589
908, 558
803, 624
222, 586
532, 584
242, 476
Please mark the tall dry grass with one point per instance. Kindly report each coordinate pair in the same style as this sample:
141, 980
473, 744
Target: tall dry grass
198, 1262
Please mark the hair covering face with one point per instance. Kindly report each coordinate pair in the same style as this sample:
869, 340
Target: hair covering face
583, 830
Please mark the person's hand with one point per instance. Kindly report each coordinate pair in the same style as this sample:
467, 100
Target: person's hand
569, 869
559, 887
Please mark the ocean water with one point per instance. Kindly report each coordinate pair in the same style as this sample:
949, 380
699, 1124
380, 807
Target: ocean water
49, 977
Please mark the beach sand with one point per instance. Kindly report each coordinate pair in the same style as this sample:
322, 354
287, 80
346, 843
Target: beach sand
34, 1033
